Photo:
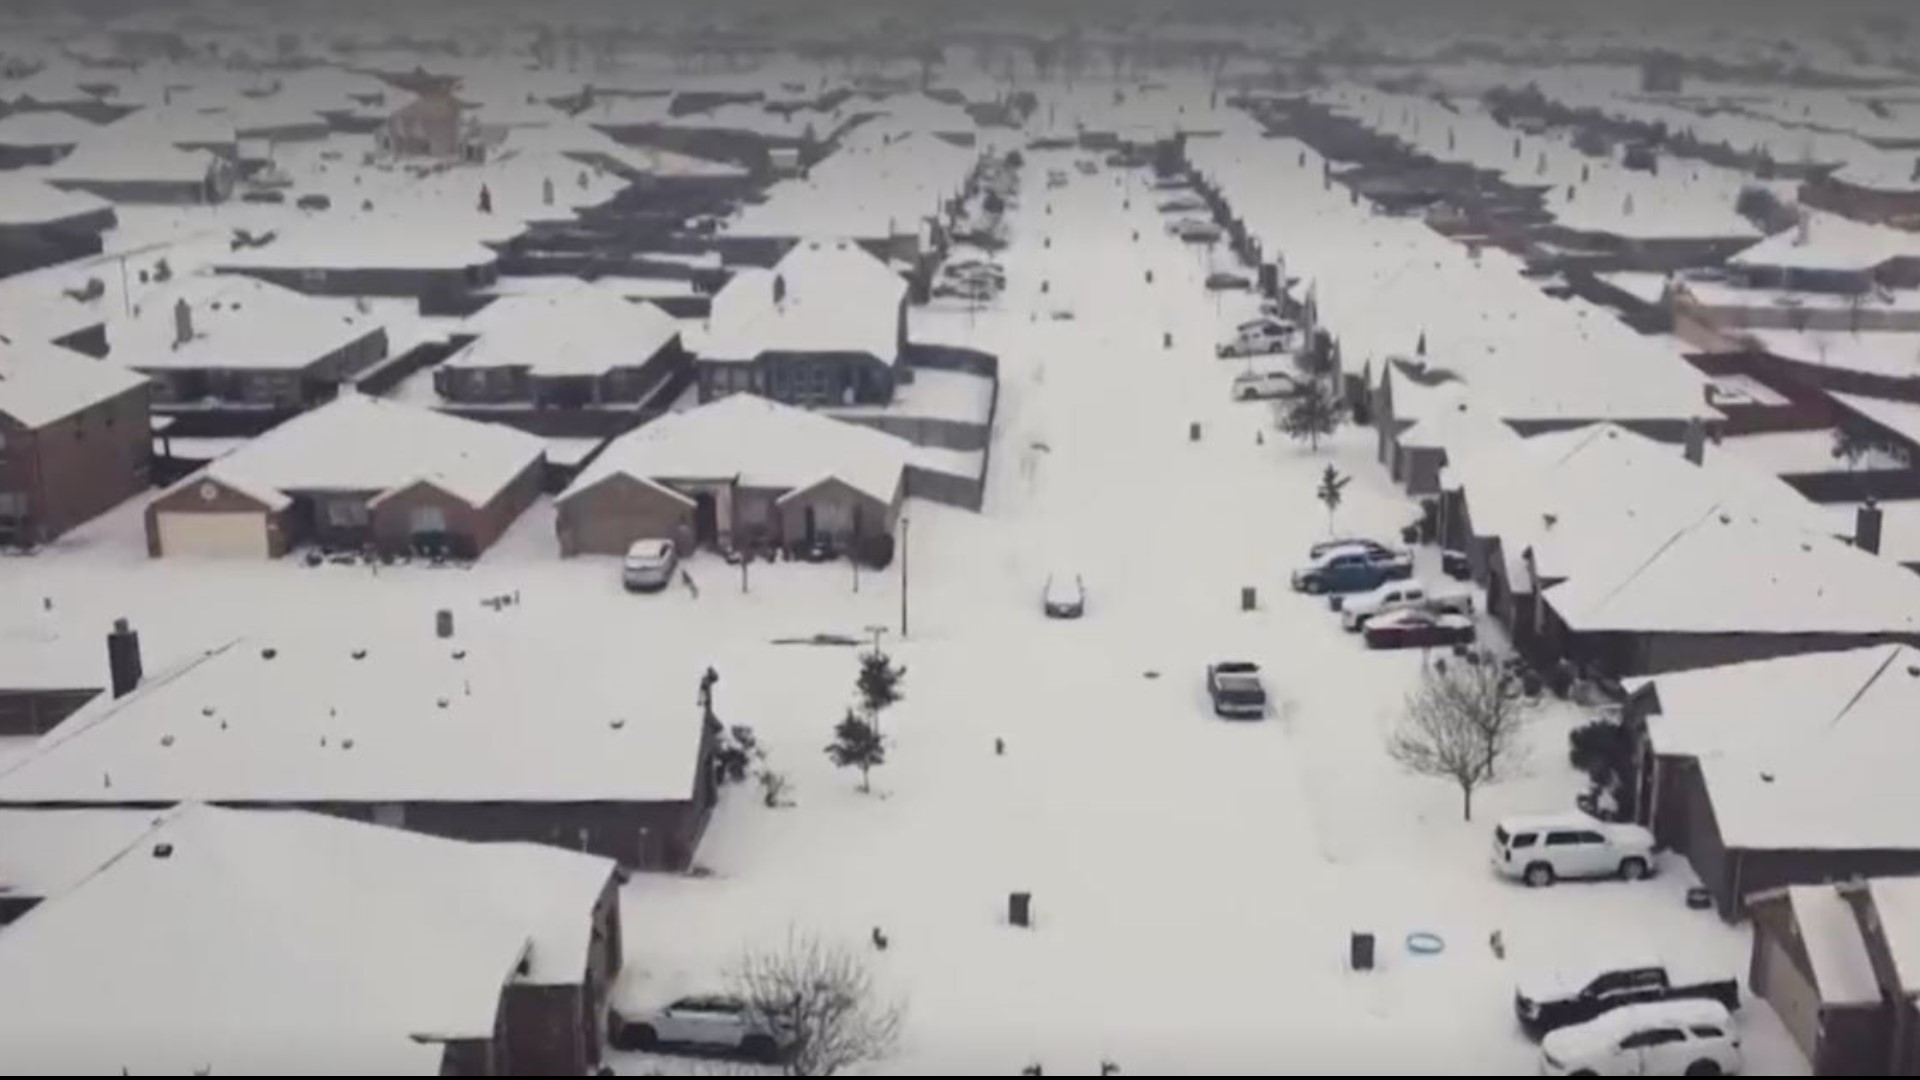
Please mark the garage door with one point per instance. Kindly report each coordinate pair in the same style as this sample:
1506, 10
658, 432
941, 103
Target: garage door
241, 535
1791, 994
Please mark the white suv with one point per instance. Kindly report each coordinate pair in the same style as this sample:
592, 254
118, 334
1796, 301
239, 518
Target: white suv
1685, 1037
715, 1023
1542, 850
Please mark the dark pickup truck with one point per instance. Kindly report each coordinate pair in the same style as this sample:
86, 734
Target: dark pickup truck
1562, 998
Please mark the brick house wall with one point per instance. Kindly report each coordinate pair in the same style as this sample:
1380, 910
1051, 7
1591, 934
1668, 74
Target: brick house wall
190, 496
395, 515
608, 517
291, 387
838, 512
78, 467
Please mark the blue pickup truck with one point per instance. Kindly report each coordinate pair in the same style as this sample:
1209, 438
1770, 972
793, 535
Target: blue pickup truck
1351, 569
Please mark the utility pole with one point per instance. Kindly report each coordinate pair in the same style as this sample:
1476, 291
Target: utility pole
904, 523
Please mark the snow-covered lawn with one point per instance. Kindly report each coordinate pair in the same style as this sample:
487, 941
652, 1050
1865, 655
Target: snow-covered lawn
1194, 881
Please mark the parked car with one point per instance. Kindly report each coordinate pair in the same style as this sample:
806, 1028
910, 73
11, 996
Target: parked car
965, 269
1170, 182
1418, 628
1182, 204
980, 291
1660, 1038
1064, 596
1196, 231
1263, 341
1087, 166
1357, 608
1360, 543
313, 202
649, 565
1351, 570
1260, 385
1555, 999
268, 196
1236, 690
715, 1023
1224, 280
1542, 850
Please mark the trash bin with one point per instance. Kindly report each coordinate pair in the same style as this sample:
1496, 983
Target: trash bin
1020, 908
1249, 598
1360, 952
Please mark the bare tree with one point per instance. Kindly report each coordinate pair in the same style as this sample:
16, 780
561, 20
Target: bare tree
824, 997
1463, 724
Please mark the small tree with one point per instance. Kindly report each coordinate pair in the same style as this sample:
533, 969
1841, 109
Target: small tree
1310, 413
1463, 724
1332, 490
879, 684
824, 997
856, 744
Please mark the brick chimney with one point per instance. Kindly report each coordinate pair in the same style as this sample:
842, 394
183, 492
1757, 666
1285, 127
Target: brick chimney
1866, 527
123, 658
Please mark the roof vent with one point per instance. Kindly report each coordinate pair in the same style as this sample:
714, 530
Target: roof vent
206, 710
617, 723
442, 703
1914, 670
166, 740
269, 653
1726, 519
346, 744
459, 654
163, 850
359, 654
1767, 777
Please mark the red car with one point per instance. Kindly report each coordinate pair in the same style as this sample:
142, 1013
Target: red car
1418, 628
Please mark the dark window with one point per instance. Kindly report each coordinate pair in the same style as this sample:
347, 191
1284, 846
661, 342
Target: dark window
1706, 1031
1526, 840
1563, 839
1656, 1037
1589, 838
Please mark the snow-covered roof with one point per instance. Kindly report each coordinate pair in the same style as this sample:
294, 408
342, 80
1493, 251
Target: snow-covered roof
1900, 417
358, 443
1894, 353
1898, 902
238, 323
1830, 933
27, 201
40, 384
284, 941
1779, 703
45, 128
37, 655
574, 137
1831, 242
586, 330
414, 718
876, 185
44, 853
417, 239
823, 296
762, 443
1729, 572
1456, 429
107, 158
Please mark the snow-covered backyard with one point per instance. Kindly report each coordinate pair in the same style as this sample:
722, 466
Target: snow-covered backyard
1194, 881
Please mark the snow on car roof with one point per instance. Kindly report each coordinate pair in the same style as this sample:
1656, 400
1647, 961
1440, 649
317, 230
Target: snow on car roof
1606, 1030
823, 296
40, 384
413, 718
760, 443
373, 940
587, 330
1830, 934
363, 444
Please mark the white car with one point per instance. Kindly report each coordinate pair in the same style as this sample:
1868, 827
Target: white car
649, 565
1542, 850
1260, 341
1064, 596
1181, 204
1356, 609
1260, 385
716, 1023
1685, 1037
1194, 230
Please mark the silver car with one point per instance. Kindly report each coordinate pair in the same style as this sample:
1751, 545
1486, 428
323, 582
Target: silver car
649, 565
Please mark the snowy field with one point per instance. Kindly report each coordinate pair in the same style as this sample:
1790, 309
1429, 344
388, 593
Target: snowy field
1194, 881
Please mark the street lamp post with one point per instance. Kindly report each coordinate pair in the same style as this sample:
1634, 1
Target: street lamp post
904, 523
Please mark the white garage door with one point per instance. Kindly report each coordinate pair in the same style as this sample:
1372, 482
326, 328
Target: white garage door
241, 535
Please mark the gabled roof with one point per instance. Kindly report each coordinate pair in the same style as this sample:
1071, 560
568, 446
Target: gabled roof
1831, 242
106, 158
280, 941
45, 128
238, 323
824, 296
27, 201
364, 444
762, 443
587, 330
40, 384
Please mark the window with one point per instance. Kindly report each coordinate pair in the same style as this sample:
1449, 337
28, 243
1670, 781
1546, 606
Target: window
1589, 838
1707, 1031
1526, 840
13, 504
1656, 1037
1565, 839
427, 519
346, 513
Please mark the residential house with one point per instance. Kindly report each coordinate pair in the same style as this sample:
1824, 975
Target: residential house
238, 342
827, 325
580, 348
435, 125
741, 472
45, 678
297, 943
143, 172
41, 137
359, 472
1882, 199
1832, 255
74, 440
1789, 771
1610, 551
432, 254
41, 225
401, 727
1810, 963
